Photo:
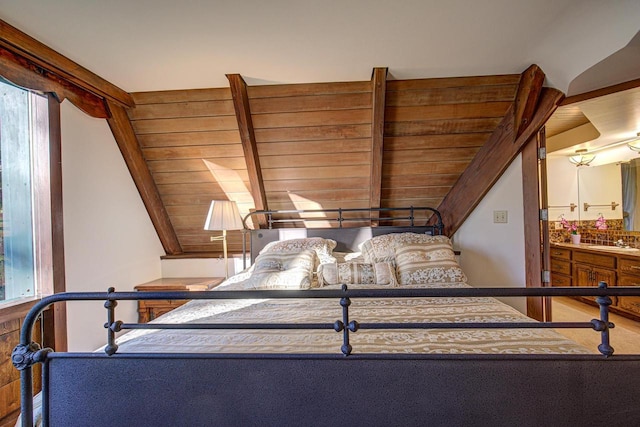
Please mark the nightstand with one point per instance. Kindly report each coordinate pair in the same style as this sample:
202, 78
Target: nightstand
150, 309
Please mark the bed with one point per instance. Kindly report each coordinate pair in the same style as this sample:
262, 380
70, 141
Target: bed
356, 325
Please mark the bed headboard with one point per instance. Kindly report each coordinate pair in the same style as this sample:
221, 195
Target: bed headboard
347, 238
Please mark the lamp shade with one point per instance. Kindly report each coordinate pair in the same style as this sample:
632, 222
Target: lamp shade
223, 215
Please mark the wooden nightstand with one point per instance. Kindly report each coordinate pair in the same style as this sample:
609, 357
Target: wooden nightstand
149, 310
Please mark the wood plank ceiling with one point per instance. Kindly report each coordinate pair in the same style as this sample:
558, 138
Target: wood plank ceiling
378, 143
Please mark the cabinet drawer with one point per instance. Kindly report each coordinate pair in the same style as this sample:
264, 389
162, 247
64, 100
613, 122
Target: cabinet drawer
629, 266
164, 303
560, 266
560, 253
560, 280
629, 304
608, 261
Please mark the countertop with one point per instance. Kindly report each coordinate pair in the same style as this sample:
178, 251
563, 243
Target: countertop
600, 248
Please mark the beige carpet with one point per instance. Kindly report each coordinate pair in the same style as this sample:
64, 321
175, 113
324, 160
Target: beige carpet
625, 337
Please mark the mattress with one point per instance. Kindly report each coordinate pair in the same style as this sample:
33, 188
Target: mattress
366, 310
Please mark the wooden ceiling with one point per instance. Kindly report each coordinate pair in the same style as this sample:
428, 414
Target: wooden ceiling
374, 143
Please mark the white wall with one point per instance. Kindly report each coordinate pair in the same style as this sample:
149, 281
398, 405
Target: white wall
200, 267
109, 238
562, 189
600, 185
492, 255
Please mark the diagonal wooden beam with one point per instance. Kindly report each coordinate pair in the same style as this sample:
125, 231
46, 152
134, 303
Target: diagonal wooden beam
25, 73
128, 143
531, 81
48, 59
379, 90
492, 160
249, 146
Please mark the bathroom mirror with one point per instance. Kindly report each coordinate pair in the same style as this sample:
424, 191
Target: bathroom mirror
600, 191
609, 189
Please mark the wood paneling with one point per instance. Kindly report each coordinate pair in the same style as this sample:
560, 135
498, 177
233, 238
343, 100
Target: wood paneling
312, 146
192, 146
314, 155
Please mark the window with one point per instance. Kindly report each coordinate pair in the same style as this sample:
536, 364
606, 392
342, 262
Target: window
23, 140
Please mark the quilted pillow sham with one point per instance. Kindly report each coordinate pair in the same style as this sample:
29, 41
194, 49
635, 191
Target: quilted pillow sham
347, 273
382, 248
280, 261
427, 263
322, 247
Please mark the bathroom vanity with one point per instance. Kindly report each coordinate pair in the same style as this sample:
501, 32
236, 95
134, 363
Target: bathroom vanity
587, 265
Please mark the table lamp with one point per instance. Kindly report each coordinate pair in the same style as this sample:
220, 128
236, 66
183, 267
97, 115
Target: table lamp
223, 215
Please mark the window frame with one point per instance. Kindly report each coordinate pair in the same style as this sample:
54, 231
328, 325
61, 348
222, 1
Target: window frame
48, 230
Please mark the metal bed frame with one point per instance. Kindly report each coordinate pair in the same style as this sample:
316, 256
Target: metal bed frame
411, 389
327, 389
347, 238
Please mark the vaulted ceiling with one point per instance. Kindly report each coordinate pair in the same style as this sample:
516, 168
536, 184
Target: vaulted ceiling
281, 105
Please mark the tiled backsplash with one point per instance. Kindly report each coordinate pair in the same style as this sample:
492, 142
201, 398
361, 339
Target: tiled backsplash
589, 234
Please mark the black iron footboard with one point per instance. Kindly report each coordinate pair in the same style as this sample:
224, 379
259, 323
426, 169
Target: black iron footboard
344, 388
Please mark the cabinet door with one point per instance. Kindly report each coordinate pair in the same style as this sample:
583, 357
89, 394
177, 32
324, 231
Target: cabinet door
583, 275
586, 275
602, 275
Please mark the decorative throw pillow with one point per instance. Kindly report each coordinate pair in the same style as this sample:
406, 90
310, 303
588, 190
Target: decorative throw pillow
350, 272
322, 247
281, 261
283, 270
382, 248
427, 263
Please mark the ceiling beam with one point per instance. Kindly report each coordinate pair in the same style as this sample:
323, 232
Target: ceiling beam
128, 143
531, 81
492, 160
26, 74
249, 146
379, 90
48, 59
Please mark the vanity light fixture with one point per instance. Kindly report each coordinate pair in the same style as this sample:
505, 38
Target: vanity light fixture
634, 144
582, 158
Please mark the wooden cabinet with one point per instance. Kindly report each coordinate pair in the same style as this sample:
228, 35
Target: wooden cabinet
589, 269
150, 309
629, 269
588, 275
581, 266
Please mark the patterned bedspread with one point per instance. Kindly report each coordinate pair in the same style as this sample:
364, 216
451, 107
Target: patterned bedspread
458, 341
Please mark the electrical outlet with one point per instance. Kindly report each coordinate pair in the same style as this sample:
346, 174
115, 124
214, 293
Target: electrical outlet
500, 217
